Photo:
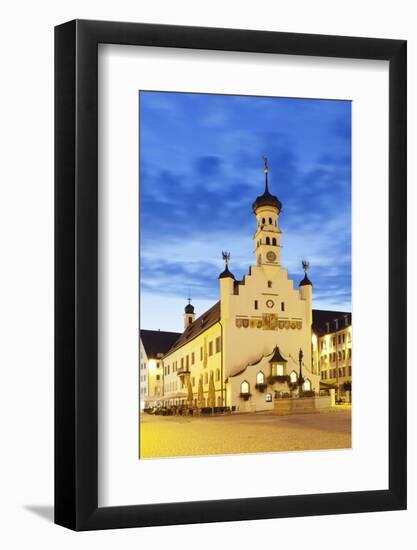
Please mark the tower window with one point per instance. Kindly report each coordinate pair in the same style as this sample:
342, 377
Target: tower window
256, 304
270, 221
269, 284
263, 221
282, 306
274, 241
268, 240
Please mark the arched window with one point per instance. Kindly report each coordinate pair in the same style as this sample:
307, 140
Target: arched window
244, 387
263, 221
269, 284
268, 240
260, 378
293, 377
274, 241
307, 385
270, 221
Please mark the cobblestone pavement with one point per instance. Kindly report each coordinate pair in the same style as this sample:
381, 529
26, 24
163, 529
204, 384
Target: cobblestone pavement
167, 436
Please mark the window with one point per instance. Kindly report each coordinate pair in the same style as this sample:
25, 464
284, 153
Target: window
244, 387
255, 304
274, 241
218, 344
190, 320
219, 401
263, 221
182, 362
193, 358
350, 371
339, 339
158, 376
350, 353
282, 306
268, 240
187, 362
293, 377
217, 375
211, 348
205, 378
270, 221
307, 385
269, 284
193, 381
343, 337
268, 397
201, 354
260, 378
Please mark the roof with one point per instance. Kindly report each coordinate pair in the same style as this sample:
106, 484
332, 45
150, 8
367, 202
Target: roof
189, 308
267, 199
277, 357
226, 273
321, 317
202, 323
157, 341
306, 281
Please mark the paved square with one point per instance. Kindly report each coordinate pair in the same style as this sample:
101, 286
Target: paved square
170, 436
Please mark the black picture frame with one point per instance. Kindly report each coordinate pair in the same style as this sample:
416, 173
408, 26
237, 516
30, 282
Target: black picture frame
76, 272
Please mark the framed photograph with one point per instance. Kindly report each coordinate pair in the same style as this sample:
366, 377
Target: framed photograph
230, 255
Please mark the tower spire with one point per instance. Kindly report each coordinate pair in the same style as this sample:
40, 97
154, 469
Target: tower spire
266, 173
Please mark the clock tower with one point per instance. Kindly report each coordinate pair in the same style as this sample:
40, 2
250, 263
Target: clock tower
267, 237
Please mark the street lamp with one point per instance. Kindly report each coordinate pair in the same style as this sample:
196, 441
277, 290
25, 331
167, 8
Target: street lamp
300, 376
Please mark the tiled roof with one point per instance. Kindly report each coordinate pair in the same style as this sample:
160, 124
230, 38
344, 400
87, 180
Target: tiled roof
157, 341
202, 323
321, 317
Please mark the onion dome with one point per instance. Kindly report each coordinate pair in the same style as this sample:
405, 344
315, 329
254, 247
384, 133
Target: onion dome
266, 199
189, 308
226, 273
277, 357
306, 281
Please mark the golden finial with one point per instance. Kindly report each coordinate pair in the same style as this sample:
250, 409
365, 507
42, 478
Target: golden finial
266, 164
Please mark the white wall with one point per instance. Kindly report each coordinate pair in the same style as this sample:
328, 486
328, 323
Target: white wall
26, 299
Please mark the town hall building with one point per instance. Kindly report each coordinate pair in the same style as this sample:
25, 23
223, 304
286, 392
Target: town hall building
255, 345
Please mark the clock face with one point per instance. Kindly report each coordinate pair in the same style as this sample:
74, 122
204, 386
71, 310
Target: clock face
269, 303
271, 256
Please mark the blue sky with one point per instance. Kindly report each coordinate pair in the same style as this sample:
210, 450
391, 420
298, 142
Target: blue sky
200, 171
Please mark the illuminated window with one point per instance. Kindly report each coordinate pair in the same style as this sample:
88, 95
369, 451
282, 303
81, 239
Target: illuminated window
260, 378
307, 385
293, 377
268, 397
244, 387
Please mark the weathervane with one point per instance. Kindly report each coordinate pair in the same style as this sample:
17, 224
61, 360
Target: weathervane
306, 265
266, 164
226, 257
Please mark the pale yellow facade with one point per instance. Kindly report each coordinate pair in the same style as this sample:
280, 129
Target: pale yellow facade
254, 317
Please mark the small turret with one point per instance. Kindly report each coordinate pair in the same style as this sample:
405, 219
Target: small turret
227, 280
306, 291
189, 315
